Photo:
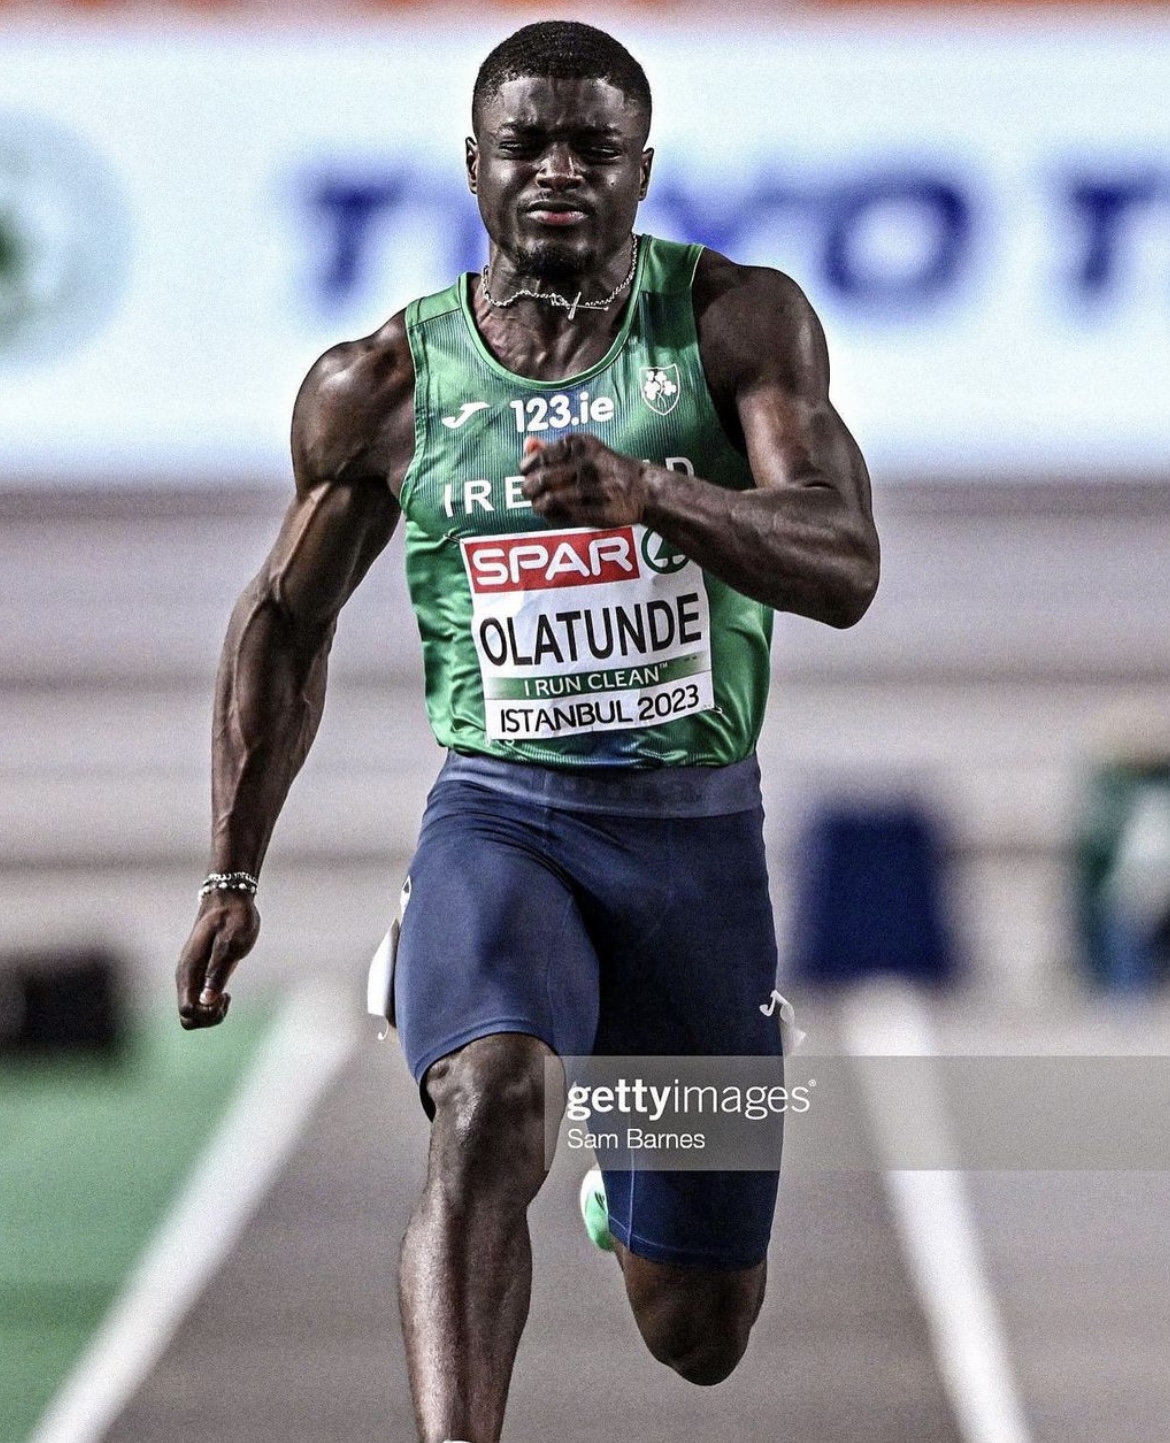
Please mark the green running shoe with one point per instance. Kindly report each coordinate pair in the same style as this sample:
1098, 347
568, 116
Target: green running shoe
595, 1210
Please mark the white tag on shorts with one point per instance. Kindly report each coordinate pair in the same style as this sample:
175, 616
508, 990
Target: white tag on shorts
380, 978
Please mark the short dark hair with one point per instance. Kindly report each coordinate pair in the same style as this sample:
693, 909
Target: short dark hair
562, 50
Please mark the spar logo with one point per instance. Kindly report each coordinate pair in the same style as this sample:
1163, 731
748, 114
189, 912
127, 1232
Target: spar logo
661, 555
536, 562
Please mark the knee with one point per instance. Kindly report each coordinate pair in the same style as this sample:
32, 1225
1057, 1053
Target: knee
488, 1101
698, 1356
700, 1327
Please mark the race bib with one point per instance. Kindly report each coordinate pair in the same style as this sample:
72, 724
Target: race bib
586, 631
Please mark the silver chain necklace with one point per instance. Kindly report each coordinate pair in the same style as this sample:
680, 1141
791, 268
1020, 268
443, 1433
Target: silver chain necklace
554, 298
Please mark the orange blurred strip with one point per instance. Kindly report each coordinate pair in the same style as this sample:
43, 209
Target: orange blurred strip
952, 5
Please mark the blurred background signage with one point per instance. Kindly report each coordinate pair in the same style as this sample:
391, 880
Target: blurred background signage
982, 219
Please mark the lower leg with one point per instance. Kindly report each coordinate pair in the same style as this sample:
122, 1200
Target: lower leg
462, 1322
466, 1266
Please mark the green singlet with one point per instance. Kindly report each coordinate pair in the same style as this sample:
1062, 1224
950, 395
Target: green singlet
575, 646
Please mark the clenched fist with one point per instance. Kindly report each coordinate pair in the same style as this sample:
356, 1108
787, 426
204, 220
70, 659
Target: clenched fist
579, 481
225, 931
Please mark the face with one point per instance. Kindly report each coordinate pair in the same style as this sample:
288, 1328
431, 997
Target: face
558, 167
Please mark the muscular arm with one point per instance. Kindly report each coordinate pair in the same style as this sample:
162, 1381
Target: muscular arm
352, 440
803, 540
270, 691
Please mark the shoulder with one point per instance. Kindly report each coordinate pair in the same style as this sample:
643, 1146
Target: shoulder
756, 325
354, 412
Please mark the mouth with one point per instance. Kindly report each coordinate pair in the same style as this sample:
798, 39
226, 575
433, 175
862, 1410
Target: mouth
557, 213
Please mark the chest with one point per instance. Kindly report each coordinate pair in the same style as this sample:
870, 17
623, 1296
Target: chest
467, 478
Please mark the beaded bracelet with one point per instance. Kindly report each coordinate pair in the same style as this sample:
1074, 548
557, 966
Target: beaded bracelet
229, 882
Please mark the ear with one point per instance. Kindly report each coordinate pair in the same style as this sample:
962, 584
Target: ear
471, 160
644, 168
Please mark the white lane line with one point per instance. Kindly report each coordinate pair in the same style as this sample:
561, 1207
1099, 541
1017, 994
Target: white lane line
932, 1212
296, 1062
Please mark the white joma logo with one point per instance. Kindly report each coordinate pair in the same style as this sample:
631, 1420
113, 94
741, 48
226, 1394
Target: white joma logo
469, 408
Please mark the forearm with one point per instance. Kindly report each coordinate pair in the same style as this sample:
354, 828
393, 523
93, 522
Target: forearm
270, 693
797, 548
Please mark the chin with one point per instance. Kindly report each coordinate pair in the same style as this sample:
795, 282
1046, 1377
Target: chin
553, 259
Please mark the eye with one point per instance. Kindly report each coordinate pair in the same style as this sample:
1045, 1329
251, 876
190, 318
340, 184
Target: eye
517, 145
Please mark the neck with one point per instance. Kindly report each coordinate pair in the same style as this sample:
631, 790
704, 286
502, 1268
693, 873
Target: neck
543, 340
504, 283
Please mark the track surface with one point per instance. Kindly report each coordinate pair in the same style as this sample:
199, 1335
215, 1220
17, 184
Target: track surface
298, 1337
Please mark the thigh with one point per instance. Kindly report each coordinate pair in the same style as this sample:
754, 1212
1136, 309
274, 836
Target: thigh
491, 939
684, 928
688, 955
706, 1300
720, 1220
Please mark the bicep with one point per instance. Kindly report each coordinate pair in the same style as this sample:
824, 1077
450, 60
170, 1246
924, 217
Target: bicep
351, 433
796, 440
330, 536
792, 432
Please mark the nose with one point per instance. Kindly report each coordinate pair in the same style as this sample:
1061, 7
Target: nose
558, 168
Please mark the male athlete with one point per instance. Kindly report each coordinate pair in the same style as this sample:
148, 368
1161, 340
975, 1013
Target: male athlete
616, 458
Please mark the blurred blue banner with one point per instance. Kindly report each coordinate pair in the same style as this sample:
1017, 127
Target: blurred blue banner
981, 217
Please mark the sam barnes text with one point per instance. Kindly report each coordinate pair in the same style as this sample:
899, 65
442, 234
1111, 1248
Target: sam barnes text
635, 1137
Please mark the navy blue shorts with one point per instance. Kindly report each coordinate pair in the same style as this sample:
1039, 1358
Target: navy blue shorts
610, 913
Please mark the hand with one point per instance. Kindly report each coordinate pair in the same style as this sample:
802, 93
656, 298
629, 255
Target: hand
225, 931
579, 481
